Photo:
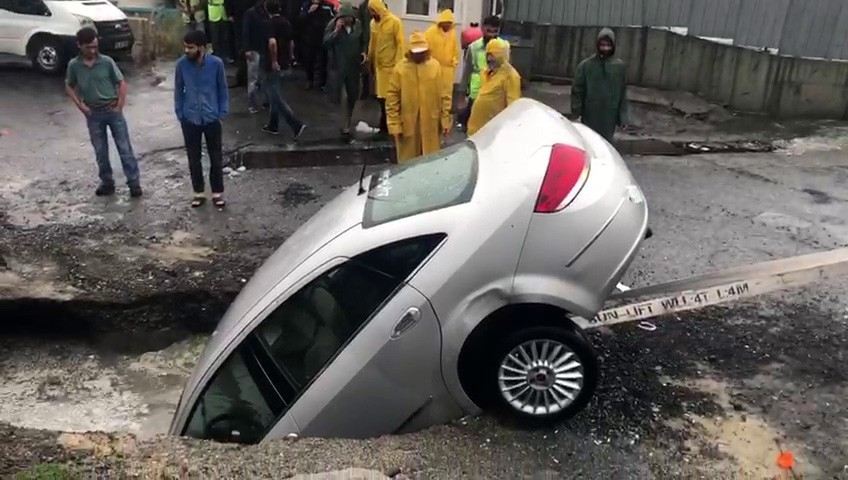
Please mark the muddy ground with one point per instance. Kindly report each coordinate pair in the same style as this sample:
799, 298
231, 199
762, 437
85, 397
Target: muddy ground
105, 303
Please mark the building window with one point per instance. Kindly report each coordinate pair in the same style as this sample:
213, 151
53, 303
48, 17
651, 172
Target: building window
443, 4
418, 7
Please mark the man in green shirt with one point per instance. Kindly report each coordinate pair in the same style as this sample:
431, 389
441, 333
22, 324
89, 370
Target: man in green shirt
97, 88
476, 63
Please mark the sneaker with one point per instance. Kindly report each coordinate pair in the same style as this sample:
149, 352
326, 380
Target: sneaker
135, 191
104, 190
252, 110
300, 131
272, 131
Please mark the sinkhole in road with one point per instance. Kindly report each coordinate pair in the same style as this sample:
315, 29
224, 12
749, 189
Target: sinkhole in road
315, 155
81, 366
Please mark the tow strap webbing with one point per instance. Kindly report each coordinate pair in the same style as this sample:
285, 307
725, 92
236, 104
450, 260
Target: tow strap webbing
723, 286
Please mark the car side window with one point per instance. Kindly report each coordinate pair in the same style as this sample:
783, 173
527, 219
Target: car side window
291, 346
25, 7
310, 328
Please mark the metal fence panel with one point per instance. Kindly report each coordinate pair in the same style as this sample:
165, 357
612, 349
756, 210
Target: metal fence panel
817, 28
839, 44
810, 27
761, 23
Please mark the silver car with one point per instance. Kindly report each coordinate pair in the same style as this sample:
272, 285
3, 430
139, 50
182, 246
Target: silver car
454, 284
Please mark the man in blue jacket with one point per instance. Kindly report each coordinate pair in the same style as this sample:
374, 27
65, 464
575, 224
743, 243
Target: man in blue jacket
201, 100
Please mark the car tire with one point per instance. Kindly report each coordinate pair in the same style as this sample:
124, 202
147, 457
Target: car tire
533, 387
48, 55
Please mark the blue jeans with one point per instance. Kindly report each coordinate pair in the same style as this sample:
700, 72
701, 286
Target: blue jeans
97, 123
279, 107
255, 89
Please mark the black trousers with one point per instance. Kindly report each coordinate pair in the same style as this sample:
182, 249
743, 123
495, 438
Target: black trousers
238, 53
220, 37
193, 135
384, 126
315, 64
465, 114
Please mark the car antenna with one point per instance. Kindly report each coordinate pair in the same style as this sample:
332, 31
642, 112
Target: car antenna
362, 176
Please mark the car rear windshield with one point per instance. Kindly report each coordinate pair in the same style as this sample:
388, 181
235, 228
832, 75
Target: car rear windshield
439, 180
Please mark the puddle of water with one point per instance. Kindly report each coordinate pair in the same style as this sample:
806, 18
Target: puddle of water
23, 280
12, 185
31, 216
72, 388
782, 220
834, 140
178, 247
745, 437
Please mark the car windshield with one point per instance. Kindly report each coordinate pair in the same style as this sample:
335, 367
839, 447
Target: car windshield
439, 180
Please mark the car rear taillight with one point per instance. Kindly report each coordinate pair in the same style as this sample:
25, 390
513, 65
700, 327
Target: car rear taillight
568, 169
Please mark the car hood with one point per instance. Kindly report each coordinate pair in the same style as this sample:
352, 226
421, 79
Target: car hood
97, 10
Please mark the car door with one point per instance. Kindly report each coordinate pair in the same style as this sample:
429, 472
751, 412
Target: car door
357, 323
17, 19
388, 373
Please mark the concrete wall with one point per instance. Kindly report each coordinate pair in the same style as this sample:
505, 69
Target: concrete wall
740, 78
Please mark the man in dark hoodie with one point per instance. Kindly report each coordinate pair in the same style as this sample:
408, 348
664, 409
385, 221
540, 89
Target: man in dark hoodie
598, 96
345, 40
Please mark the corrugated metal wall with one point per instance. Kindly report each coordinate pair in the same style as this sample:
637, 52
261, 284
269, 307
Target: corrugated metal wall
810, 28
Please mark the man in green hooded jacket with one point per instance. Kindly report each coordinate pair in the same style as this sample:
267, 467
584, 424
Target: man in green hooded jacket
347, 44
598, 95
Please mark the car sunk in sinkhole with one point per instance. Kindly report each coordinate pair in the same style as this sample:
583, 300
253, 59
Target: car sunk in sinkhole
430, 291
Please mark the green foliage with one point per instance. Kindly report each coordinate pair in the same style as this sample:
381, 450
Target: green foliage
47, 471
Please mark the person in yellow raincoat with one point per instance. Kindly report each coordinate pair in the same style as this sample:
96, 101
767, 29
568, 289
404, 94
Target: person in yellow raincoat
417, 106
385, 51
444, 46
501, 86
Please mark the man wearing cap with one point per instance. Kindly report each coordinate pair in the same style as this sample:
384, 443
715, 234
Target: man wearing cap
500, 87
417, 106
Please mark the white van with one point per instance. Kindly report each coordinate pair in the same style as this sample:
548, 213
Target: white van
44, 30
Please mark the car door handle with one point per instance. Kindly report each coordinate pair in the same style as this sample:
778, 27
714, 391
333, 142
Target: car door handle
407, 321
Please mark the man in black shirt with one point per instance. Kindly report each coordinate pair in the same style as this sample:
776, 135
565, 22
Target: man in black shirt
276, 64
314, 20
255, 37
237, 9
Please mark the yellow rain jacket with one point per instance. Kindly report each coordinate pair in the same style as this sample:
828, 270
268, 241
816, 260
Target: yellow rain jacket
444, 47
417, 107
500, 88
385, 47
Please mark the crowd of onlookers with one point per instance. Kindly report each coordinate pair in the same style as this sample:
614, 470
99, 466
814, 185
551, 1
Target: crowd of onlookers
351, 52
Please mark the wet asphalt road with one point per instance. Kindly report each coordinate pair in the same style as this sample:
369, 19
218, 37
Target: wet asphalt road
703, 396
